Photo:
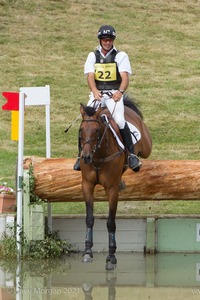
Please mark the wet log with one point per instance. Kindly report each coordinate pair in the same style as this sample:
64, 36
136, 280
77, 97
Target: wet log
56, 181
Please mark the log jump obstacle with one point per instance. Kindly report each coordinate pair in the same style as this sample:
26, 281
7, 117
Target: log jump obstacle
56, 181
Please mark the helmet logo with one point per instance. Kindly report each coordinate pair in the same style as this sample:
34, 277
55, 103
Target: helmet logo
108, 31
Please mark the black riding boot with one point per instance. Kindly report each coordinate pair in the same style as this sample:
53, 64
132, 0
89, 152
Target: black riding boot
133, 161
77, 164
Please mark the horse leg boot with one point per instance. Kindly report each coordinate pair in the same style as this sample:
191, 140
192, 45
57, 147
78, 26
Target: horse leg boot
133, 161
77, 164
88, 255
111, 261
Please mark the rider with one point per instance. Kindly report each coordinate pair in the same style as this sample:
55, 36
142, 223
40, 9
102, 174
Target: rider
108, 72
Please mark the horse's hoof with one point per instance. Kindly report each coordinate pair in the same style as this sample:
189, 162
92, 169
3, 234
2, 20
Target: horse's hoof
110, 266
87, 288
111, 263
87, 258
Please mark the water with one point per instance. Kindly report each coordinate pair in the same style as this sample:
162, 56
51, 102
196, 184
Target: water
161, 276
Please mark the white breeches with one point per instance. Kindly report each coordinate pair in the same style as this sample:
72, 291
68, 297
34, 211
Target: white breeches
115, 108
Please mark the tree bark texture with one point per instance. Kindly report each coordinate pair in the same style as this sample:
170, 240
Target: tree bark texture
56, 181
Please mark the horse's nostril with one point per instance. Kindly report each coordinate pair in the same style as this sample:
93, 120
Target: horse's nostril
87, 158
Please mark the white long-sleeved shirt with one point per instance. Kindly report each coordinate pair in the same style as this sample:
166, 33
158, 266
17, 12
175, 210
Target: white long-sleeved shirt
121, 59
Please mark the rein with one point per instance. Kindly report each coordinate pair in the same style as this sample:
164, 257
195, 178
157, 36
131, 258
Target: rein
98, 145
107, 124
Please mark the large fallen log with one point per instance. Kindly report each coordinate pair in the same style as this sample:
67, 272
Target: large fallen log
56, 181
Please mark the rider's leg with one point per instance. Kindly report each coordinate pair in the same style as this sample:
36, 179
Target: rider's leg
133, 160
117, 110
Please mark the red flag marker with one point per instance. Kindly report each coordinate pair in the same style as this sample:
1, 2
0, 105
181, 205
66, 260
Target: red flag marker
12, 101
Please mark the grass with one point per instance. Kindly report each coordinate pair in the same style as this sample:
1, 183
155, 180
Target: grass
47, 41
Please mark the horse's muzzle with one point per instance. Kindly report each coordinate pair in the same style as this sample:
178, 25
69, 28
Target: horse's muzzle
87, 158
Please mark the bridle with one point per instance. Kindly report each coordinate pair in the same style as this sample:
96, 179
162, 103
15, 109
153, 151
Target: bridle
99, 140
109, 94
89, 141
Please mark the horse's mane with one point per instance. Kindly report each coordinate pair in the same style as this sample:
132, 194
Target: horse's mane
130, 102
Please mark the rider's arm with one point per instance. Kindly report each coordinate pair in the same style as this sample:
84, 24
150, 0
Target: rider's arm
123, 86
125, 81
92, 86
124, 67
89, 72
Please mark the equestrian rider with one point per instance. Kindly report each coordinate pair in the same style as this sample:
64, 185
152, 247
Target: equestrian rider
108, 72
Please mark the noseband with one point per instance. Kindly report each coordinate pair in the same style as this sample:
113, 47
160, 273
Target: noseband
99, 140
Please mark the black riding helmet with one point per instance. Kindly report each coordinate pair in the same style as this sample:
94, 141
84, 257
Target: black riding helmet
106, 31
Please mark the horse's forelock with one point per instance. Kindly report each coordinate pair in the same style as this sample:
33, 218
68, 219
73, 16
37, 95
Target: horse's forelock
90, 111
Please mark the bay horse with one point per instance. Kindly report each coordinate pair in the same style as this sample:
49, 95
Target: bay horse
103, 161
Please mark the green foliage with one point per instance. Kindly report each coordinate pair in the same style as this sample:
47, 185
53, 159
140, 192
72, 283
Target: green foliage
34, 199
8, 247
51, 247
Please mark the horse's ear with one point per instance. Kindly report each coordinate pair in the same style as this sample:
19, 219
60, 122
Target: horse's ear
82, 110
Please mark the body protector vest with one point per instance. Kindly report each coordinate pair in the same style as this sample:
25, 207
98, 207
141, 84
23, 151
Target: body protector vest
107, 76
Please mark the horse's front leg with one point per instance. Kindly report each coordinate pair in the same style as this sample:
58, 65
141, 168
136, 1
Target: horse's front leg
111, 261
88, 255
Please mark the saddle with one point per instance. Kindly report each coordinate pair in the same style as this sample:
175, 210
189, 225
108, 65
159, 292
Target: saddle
109, 121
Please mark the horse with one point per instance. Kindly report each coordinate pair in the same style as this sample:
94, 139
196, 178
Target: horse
103, 160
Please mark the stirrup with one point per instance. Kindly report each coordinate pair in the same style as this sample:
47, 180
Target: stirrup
134, 162
77, 165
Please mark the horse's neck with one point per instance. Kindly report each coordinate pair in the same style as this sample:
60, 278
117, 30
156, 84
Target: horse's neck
109, 143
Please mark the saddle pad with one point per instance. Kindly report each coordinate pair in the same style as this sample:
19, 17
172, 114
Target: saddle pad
135, 134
